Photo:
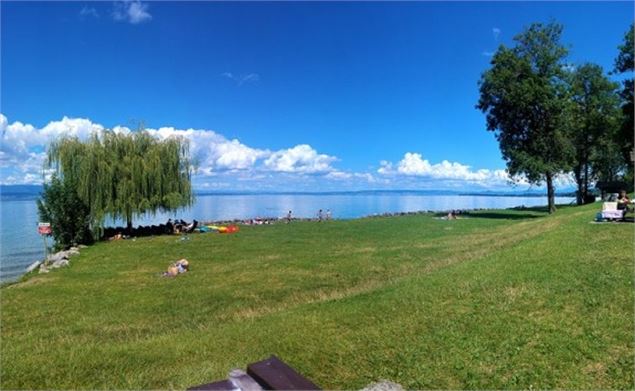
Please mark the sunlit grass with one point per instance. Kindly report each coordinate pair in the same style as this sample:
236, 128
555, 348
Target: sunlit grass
507, 299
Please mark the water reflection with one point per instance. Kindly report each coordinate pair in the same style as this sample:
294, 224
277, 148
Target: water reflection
227, 207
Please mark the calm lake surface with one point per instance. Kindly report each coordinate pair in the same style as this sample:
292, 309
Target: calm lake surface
20, 245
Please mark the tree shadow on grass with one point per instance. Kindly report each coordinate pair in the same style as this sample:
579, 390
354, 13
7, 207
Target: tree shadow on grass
519, 213
504, 215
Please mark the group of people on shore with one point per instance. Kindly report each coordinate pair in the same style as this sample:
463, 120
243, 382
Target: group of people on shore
180, 226
453, 214
170, 227
321, 216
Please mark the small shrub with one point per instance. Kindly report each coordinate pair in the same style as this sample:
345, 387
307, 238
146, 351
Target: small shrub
68, 215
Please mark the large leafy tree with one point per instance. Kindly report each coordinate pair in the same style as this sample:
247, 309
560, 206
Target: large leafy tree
524, 98
624, 64
125, 175
595, 122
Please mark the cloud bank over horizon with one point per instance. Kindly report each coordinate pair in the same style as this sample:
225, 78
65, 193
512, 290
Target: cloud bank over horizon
229, 164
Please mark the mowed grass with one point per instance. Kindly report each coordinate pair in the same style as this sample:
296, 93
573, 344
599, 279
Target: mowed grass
502, 299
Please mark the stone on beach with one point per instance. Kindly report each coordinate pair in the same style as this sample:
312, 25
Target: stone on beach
55, 261
384, 385
33, 266
60, 263
58, 256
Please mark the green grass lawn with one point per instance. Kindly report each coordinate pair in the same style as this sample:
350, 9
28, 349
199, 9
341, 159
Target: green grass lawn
502, 299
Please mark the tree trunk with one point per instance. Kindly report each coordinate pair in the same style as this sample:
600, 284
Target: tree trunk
550, 193
586, 181
578, 180
129, 222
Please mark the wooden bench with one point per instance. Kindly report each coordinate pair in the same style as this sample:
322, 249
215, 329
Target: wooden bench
270, 374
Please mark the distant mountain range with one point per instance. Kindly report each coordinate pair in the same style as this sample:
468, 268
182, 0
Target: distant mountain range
20, 191
8, 192
386, 192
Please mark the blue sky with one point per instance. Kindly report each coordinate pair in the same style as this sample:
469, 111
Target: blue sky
286, 95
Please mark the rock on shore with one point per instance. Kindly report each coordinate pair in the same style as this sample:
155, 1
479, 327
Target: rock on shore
55, 261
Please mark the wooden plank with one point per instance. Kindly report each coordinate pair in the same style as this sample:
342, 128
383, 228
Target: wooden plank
217, 386
243, 381
273, 374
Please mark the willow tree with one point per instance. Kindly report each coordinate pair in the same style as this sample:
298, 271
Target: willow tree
123, 175
524, 98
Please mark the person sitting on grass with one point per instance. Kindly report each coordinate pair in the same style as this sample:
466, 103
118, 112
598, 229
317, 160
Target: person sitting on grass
623, 202
189, 228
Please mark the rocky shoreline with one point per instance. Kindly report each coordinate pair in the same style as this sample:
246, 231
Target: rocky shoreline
55, 261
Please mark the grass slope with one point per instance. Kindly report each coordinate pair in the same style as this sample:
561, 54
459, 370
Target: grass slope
503, 299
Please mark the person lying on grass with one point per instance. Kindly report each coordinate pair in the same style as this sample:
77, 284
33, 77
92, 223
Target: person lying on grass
180, 266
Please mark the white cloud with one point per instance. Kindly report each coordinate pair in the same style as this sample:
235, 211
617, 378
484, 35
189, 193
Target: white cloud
133, 11
299, 159
451, 174
487, 53
22, 151
351, 176
496, 32
22, 145
413, 164
569, 67
339, 175
234, 155
88, 12
212, 151
229, 162
385, 167
242, 79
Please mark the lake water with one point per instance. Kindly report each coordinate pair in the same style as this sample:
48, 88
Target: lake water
20, 245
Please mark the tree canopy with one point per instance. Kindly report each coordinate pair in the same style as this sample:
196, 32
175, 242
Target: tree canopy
524, 97
624, 64
125, 175
594, 123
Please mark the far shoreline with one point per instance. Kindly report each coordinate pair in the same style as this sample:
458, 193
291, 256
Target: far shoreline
32, 192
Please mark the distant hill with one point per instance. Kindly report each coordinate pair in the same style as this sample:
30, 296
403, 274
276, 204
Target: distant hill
20, 191
490, 193
33, 191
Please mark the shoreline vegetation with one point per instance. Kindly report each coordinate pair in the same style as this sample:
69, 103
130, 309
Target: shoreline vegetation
512, 298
